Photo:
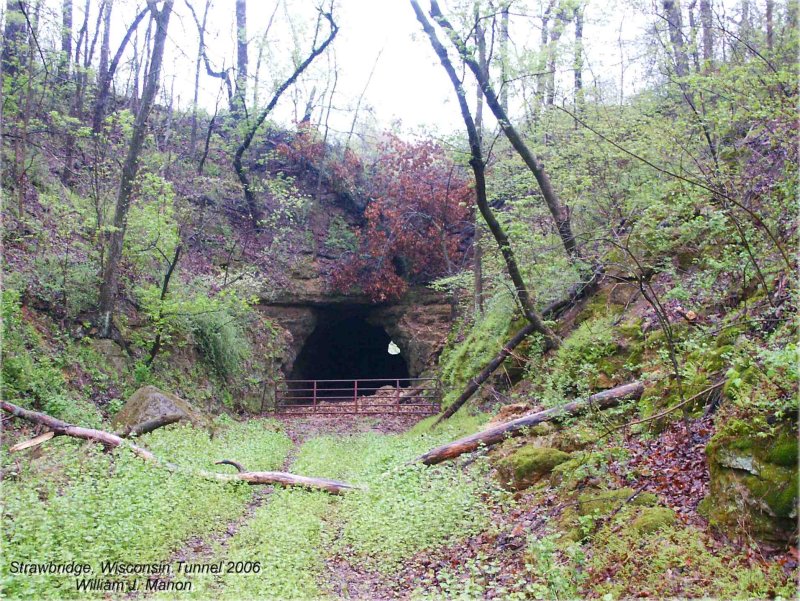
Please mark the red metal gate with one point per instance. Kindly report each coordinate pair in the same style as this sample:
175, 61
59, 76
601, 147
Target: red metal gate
405, 396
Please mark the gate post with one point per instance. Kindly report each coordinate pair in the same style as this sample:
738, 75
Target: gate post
355, 396
315, 397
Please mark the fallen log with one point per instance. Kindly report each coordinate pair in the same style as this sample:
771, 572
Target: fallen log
110, 441
517, 427
151, 424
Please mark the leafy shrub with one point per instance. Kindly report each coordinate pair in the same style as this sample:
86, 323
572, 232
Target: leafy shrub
340, 236
30, 376
221, 342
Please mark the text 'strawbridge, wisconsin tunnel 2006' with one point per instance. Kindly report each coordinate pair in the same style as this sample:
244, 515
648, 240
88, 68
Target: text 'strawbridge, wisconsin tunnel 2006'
348, 365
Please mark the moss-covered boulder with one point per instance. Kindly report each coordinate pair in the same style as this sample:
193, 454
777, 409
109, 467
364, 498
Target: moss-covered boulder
651, 519
149, 403
526, 466
753, 483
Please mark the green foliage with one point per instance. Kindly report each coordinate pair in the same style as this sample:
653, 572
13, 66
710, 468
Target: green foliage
526, 465
405, 508
706, 569
221, 342
289, 207
589, 357
465, 357
214, 322
152, 231
341, 236
77, 503
31, 377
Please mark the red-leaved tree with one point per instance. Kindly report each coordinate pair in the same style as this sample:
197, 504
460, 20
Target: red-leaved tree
415, 221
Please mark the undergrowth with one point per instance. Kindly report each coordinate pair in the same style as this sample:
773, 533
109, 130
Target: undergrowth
77, 503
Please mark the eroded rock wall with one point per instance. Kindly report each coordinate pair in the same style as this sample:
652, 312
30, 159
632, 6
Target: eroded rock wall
418, 323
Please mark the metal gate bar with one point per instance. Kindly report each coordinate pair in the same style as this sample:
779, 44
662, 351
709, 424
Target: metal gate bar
377, 396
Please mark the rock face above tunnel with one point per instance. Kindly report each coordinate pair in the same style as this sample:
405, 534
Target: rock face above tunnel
418, 323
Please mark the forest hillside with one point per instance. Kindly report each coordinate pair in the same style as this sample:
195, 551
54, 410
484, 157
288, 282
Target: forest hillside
261, 342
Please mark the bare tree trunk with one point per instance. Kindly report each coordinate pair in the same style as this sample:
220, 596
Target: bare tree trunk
693, 36
108, 288
475, 383
198, 63
477, 249
20, 149
478, 167
672, 10
14, 36
150, 425
241, 58
745, 25
224, 75
770, 24
707, 23
66, 40
249, 194
105, 45
503, 57
792, 15
541, 77
81, 77
559, 212
164, 290
209, 131
107, 75
361, 99
552, 58
134, 91
578, 95
112, 441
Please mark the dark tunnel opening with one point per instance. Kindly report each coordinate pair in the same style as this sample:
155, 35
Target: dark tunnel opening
347, 347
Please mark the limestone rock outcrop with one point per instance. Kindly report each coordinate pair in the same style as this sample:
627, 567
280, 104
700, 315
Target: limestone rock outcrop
753, 485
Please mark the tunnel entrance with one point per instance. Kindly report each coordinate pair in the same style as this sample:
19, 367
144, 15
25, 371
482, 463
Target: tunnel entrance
344, 346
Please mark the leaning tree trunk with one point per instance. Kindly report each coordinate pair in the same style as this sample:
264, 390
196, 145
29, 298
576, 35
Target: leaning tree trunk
107, 71
66, 40
111, 441
478, 168
108, 288
520, 426
559, 212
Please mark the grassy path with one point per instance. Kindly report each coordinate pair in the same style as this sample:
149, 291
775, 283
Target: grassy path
75, 503
312, 545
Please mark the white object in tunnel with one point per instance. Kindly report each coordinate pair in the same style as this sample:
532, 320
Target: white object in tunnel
393, 348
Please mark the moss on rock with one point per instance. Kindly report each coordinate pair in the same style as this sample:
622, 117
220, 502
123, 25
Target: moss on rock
651, 519
580, 519
753, 482
149, 403
528, 465
604, 502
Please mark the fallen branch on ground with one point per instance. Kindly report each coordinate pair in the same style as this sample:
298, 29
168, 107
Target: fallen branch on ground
517, 427
110, 441
150, 425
